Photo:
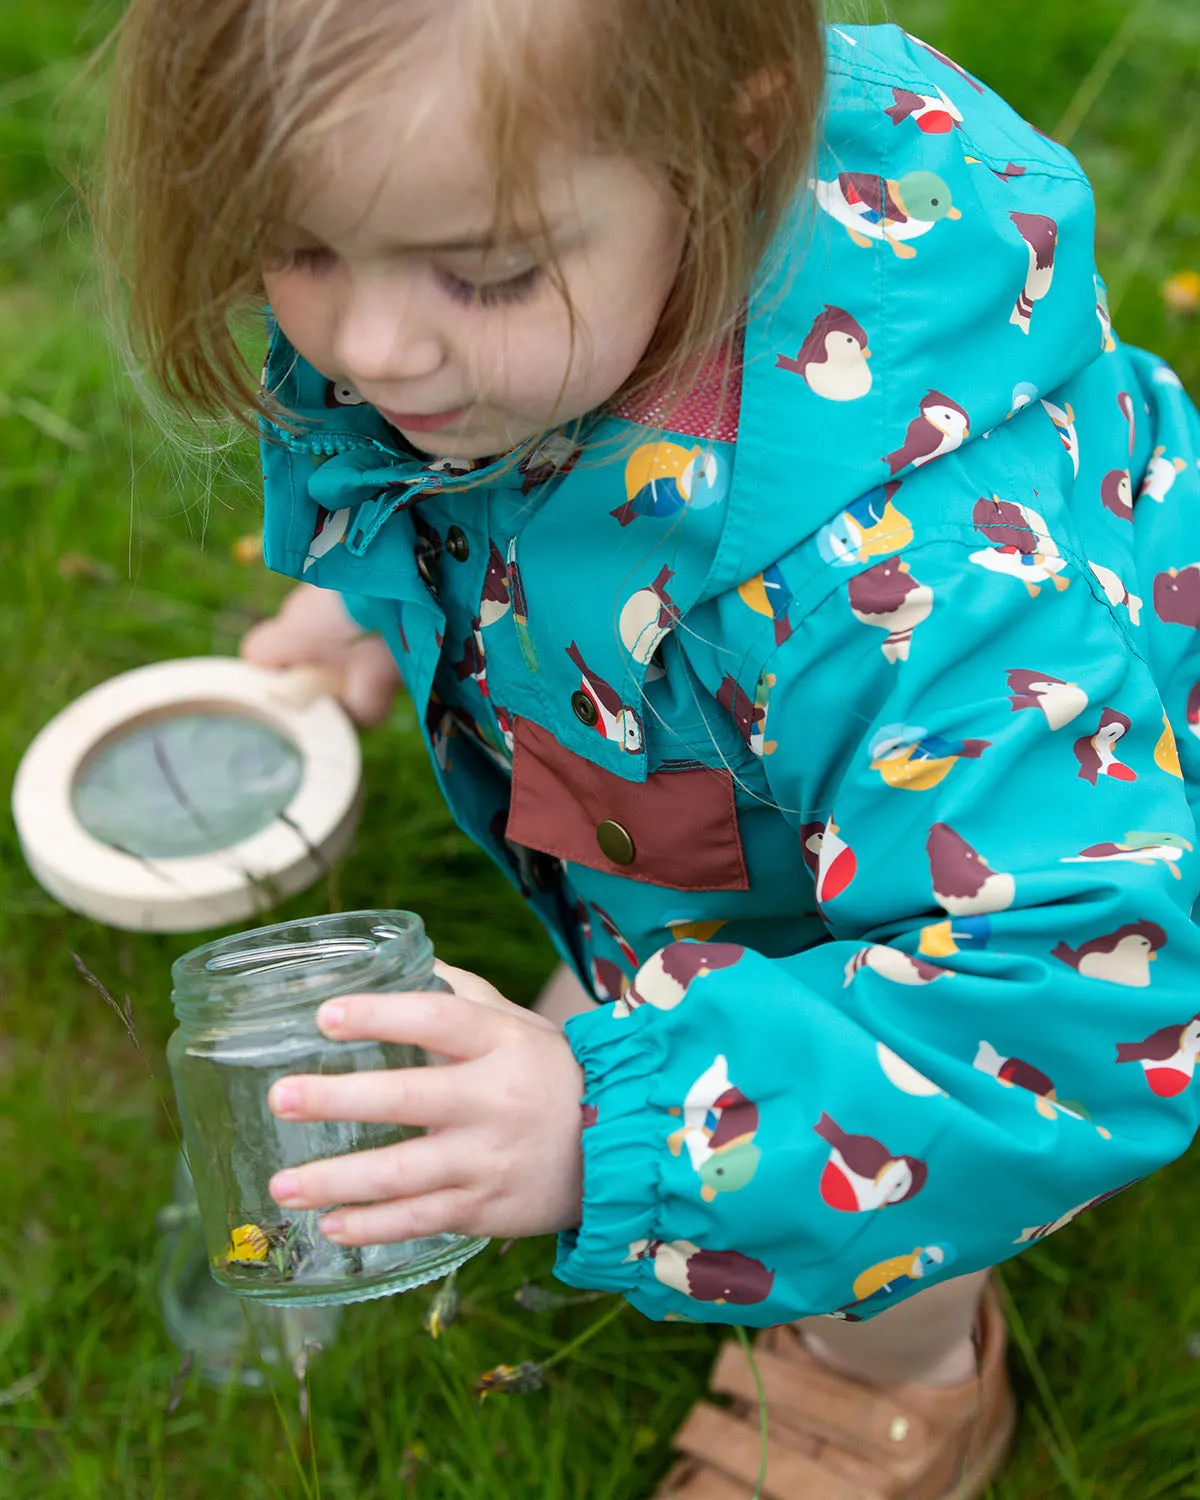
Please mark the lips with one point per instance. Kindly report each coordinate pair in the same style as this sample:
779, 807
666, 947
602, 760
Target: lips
411, 421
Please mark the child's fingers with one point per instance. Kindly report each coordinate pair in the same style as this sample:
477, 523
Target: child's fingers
428, 1097
439, 1022
448, 1212
427, 1164
472, 986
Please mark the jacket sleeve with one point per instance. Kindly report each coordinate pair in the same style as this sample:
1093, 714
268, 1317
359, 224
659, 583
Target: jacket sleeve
1002, 1025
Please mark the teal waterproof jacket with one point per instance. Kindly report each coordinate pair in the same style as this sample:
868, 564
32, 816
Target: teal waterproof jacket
846, 741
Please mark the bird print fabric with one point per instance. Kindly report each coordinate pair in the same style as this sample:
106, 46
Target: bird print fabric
844, 735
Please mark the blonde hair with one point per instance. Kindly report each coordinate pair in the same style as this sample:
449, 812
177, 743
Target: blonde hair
217, 104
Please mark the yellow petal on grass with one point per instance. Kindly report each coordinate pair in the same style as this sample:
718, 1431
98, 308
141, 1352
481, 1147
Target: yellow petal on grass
248, 550
1181, 293
247, 1243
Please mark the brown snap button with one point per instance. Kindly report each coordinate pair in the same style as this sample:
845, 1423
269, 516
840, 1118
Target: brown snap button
545, 872
615, 843
457, 544
583, 708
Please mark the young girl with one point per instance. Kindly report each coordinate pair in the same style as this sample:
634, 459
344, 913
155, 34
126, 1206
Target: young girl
719, 421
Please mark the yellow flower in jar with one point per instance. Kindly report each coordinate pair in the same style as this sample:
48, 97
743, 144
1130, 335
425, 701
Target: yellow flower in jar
248, 1243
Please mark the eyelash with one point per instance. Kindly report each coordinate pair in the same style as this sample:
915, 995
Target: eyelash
315, 261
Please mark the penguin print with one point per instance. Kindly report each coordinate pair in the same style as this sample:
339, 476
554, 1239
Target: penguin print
889, 963
665, 978
1059, 701
871, 527
861, 1174
829, 858
1120, 957
495, 601
719, 1125
888, 597
662, 478
768, 594
933, 115
1041, 236
1177, 596
1021, 545
1138, 849
1168, 1057
717, 1276
833, 357
331, 529
942, 427
1116, 493
958, 935
873, 209
616, 721
963, 881
1166, 751
520, 612
1161, 474
910, 758
1063, 418
888, 1276
647, 616
1041, 1231
1097, 755
1011, 1072
1116, 593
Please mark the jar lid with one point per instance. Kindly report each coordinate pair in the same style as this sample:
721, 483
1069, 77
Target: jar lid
189, 794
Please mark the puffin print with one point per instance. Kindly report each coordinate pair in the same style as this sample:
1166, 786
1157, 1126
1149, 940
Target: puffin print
1168, 1057
520, 610
1021, 545
947, 62
888, 597
1096, 753
495, 601
862, 1174
830, 860
871, 527
1059, 701
958, 935
910, 758
891, 964
1011, 1072
1161, 474
768, 594
556, 455
661, 478
873, 209
717, 1276
647, 616
719, 1125
1166, 751
964, 884
833, 357
331, 529
1120, 957
1064, 424
888, 1276
1041, 1231
934, 115
616, 721
1177, 596
1116, 493
664, 979
339, 393
1116, 593
748, 715
1138, 849
942, 427
1041, 236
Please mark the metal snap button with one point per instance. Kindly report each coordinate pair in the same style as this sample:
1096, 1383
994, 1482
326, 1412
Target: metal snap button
615, 842
545, 872
457, 544
583, 708
426, 556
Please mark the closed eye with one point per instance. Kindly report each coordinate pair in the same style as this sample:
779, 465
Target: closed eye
492, 293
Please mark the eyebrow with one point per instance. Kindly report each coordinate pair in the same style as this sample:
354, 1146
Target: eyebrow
488, 241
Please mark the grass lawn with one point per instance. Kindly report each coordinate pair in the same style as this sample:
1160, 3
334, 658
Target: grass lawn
115, 550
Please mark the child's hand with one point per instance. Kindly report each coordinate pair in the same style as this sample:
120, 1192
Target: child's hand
313, 628
502, 1156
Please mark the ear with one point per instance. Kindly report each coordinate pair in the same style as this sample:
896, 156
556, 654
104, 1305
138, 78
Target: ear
757, 103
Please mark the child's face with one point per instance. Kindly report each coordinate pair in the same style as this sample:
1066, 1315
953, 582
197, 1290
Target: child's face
385, 279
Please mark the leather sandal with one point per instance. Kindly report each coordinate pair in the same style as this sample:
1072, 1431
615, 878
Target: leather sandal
833, 1438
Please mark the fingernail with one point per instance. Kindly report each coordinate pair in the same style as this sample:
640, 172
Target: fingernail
284, 1098
285, 1187
332, 1228
331, 1015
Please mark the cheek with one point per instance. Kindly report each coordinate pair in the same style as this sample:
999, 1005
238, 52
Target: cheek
298, 311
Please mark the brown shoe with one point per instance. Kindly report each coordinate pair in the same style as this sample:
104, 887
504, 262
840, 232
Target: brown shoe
833, 1438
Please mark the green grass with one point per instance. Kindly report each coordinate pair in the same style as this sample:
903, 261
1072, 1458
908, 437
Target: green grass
1103, 1311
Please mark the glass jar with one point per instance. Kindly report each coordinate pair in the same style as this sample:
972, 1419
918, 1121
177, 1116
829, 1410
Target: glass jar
246, 1007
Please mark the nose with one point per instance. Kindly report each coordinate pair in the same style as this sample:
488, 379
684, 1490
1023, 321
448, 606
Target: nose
384, 337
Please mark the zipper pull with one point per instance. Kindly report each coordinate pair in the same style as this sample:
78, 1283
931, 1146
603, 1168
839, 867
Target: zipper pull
372, 515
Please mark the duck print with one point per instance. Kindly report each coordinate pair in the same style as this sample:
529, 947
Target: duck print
1168, 1057
719, 1125
1161, 474
935, 115
964, 884
942, 427
1120, 957
768, 594
1041, 236
1116, 493
889, 963
888, 597
661, 478
330, 530
829, 858
1022, 547
888, 1276
1139, 849
616, 721
873, 209
717, 1276
647, 616
664, 979
861, 1174
1097, 755
833, 358
909, 757
871, 527
1116, 593
1059, 701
